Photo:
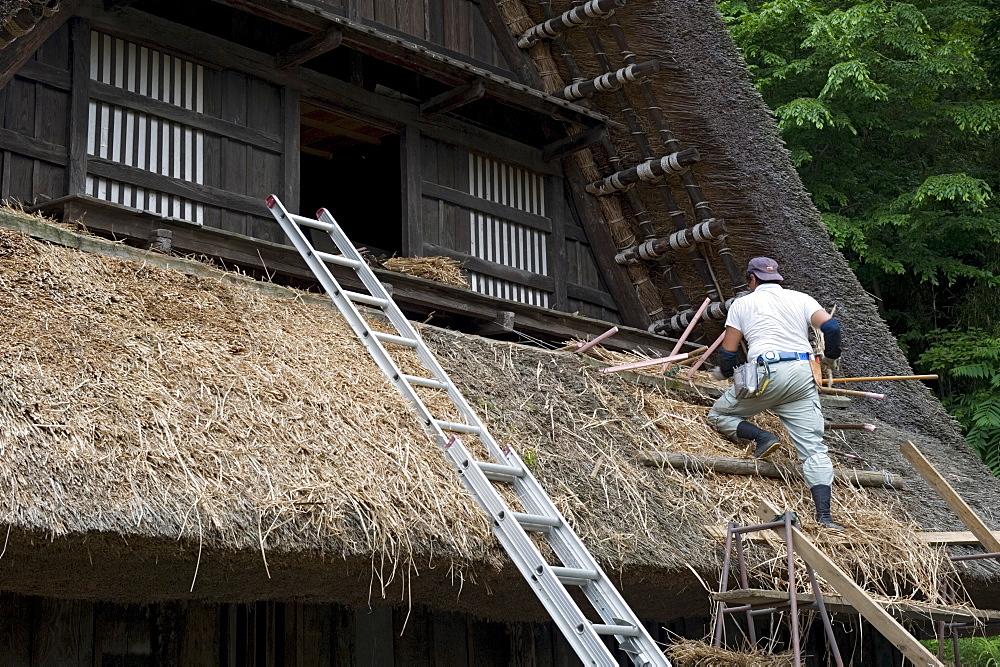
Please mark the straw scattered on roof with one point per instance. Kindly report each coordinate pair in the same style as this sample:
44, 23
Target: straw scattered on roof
141, 401
444, 270
695, 653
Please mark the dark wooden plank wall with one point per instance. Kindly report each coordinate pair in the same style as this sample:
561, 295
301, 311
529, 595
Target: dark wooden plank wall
573, 275
237, 166
34, 106
456, 25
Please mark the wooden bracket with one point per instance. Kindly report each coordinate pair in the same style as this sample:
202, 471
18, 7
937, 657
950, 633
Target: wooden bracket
453, 99
503, 324
307, 49
873, 612
573, 143
950, 497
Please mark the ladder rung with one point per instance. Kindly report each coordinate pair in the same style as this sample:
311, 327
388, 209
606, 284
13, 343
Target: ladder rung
572, 575
365, 298
309, 222
457, 428
535, 521
425, 382
339, 260
398, 340
498, 472
622, 630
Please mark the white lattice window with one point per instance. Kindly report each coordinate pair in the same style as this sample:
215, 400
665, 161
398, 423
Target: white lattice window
502, 241
143, 140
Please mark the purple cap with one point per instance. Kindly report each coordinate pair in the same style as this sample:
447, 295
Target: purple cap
764, 268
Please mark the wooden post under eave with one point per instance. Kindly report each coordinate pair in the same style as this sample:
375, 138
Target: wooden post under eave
872, 611
412, 214
79, 106
961, 509
290, 158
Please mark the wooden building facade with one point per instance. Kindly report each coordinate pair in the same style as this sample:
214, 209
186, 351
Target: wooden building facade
404, 119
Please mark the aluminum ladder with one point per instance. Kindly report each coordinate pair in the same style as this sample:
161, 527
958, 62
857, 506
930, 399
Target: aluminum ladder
578, 568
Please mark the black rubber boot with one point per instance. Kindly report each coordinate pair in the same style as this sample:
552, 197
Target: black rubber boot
766, 442
821, 496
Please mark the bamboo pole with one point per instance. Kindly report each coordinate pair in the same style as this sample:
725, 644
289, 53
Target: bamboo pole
643, 364
849, 427
877, 378
708, 353
850, 392
687, 331
604, 336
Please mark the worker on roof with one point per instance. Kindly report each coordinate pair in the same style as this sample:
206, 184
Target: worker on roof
774, 321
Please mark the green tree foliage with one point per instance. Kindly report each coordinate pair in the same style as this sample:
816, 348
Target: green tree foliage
891, 115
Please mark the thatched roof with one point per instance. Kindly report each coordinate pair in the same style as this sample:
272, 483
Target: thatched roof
161, 426
706, 94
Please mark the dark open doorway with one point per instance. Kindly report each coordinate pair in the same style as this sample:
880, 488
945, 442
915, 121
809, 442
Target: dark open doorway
351, 167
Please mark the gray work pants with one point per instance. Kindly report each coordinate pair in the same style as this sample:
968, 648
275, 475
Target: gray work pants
793, 396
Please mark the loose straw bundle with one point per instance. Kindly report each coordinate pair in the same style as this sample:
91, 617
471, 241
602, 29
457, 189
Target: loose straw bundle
693, 653
444, 270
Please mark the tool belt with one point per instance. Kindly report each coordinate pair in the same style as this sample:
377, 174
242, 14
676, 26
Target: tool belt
752, 378
772, 357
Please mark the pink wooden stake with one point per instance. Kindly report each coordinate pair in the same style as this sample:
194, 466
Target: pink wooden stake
643, 364
607, 334
704, 357
687, 332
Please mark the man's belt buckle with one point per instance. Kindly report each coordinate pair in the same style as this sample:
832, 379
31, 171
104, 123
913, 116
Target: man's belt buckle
770, 357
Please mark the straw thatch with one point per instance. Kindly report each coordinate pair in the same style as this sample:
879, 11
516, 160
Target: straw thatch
693, 653
444, 270
153, 405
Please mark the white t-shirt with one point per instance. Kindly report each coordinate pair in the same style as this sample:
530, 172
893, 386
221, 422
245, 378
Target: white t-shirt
773, 318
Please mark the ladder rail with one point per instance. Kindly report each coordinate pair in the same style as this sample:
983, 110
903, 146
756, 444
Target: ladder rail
548, 581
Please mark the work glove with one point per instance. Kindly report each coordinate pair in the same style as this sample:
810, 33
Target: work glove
717, 373
830, 366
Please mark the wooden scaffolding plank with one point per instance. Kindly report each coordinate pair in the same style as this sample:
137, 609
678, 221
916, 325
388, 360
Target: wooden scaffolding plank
872, 611
950, 497
837, 604
933, 538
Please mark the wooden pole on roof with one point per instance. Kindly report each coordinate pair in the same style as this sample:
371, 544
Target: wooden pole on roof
961, 509
885, 377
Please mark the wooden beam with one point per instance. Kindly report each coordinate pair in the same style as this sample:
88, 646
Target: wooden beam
856, 596
124, 98
315, 45
453, 99
53, 77
204, 194
518, 59
571, 144
480, 205
114, 5
31, 147
937, 482
492, 269
339, 131
20, 51
735, 466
